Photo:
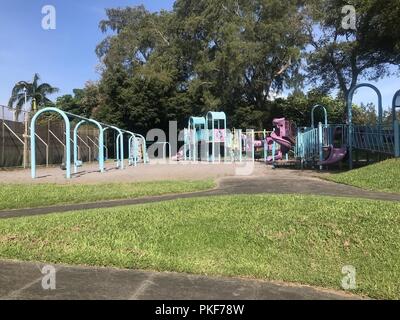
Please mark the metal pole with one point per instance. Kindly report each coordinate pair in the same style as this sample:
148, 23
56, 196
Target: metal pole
240, 145
396, 129
213, 138
321, 150
184, 144
253, 138
325, 114
397, 138
75, 146
3, 137
26, 120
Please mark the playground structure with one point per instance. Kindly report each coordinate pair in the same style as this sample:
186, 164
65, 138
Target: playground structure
208, 139
284, 137
312, 144
69, 135
205, 137
136, 147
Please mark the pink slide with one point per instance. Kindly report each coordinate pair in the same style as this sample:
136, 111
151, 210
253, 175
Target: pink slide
336, 155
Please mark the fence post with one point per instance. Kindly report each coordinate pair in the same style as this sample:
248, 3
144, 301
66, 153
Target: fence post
397, 139
26, 121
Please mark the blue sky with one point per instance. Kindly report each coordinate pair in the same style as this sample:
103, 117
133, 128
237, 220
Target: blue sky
66, 57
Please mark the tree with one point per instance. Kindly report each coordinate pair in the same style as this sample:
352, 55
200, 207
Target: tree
36, 94
83, 102
241, 50
143, 80
339, 57
204, 55
71, 103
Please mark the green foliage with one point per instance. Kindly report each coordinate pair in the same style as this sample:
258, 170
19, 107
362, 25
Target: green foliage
383, 176
244, 50
338, 58
300, 239
297, 107
202, 56
71, 103
84, 102
235, 56
36, 94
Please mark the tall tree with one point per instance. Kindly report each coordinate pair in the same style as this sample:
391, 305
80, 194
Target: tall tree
242, 50
35, 93
204, 55
340, 56
140, 69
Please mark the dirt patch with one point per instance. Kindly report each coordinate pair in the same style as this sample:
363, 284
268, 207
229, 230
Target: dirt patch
89, 174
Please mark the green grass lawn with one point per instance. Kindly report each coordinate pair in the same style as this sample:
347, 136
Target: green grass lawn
303, 239
383, 176
29, 196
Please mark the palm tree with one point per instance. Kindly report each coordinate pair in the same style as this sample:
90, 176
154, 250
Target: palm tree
35, 94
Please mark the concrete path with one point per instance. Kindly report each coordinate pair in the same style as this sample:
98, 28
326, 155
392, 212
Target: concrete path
264, 180
24, 281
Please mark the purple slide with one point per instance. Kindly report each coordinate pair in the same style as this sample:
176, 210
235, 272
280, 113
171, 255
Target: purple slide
282, 136
283, 142
336, 155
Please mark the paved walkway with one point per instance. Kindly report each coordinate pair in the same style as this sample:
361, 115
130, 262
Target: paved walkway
24, 281
265, 180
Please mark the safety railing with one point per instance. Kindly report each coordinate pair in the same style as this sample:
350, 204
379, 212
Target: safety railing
308, 144
379, 139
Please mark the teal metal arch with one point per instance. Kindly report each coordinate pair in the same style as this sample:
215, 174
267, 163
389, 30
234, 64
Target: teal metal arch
120, 147
350, 114
396, 123
350, 101
67, 142
395, 105
101, 142
313, 117
117, 143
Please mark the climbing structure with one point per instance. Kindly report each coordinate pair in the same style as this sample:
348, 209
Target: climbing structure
329, 144
135, 140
